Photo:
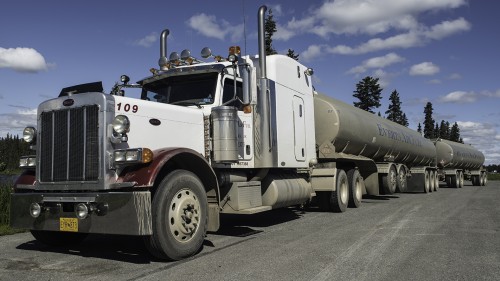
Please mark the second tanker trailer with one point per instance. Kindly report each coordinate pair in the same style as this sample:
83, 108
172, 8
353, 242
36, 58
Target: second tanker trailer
458, 161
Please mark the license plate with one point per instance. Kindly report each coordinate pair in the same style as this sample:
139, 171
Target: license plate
68, 224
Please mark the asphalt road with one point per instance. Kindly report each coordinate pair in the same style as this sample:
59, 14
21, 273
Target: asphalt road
452, 234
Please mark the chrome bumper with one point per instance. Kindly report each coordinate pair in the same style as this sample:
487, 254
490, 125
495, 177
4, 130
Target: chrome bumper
126, 213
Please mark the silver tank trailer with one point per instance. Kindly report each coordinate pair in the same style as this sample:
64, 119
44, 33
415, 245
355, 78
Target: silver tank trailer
358, 132
454, 155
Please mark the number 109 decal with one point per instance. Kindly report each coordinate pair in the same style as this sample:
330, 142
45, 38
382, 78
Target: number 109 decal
127, 107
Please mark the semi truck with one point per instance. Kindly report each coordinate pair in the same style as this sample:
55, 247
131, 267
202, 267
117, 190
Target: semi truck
236, 135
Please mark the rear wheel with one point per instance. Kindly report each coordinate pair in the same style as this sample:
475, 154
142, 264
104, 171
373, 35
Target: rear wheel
58, 239
455, 182
476, 180
402, 180
484, 177
336, 201
179, 215
389, 180
355, 188
431, 180
460, 176
426, 181
436, 181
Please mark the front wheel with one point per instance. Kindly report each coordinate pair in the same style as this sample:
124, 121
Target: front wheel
179, 214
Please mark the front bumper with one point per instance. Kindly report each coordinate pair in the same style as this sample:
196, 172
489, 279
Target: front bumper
126, 213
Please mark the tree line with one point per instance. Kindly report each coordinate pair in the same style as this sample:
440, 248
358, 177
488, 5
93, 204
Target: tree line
11, 148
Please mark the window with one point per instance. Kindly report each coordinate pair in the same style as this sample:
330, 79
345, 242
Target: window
193, 89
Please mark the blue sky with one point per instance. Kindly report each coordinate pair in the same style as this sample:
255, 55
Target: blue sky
445, 52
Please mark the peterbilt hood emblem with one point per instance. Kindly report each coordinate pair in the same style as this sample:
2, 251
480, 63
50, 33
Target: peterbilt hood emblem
68, 102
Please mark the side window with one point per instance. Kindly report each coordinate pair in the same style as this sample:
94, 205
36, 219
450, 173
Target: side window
228, 92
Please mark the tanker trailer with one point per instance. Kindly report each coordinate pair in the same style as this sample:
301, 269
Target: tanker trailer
389, 156
458, 161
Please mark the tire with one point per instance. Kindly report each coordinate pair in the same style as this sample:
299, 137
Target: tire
58, 239
431, 181
179, 215
389, 180
449, 181
476, 180
426, 181
460, 175
484, 179
436, 181
336, 201
402, 181
355, 188
454, 181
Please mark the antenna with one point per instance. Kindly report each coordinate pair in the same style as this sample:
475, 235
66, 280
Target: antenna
244, 27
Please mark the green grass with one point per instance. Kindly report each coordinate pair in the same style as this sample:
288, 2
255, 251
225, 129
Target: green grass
493, 177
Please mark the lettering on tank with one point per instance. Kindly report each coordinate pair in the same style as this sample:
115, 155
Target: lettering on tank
468, 154
398, 136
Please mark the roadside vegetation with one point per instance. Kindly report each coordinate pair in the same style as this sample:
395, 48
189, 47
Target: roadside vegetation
4, 210
493, 177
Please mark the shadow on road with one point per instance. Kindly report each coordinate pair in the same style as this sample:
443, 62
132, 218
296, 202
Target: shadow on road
131, 249
112, 247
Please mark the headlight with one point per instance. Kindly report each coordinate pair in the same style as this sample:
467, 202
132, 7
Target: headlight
121, 124
134, 155
27, 161
29, 134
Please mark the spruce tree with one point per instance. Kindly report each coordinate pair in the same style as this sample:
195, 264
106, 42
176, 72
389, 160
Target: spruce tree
394, 112
419, 128
291, 53
428, 121
455, 133
368, 92
270, 29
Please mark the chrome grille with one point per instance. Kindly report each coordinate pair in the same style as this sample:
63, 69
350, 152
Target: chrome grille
69, 145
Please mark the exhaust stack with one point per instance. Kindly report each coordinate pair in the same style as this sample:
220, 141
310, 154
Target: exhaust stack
163, 61
264, 153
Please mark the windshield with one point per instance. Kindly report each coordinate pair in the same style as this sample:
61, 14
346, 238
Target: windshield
193, 89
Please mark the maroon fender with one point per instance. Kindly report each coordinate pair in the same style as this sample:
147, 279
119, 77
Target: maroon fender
168, 159
28, 177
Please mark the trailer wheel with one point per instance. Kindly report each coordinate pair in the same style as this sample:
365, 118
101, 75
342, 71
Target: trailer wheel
389, 180
484, 179
431, 181
336, 201
460, 176
355, 188
454, 181
402, 180
179, 216
476, 181
436, 181
426, 181
58, 239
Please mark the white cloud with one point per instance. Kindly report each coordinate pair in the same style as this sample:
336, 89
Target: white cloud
148, 40
468, 97
312, 52
483, 136
447, 28
425, 68
14, 123
23, 60
377, 62
455, 76
371, 17
208, 26
459, 97
404, 41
